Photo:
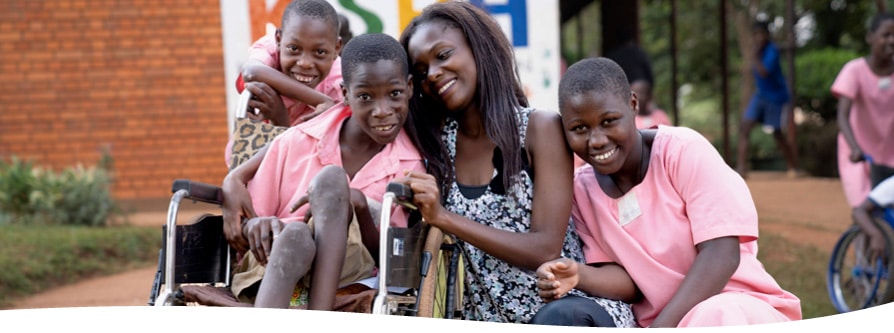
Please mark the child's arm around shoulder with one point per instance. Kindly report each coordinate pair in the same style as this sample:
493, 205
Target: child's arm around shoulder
255, 70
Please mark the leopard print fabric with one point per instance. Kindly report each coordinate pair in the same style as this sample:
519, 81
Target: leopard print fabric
249, 137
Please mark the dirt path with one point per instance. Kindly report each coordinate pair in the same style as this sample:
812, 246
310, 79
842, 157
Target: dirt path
806, 210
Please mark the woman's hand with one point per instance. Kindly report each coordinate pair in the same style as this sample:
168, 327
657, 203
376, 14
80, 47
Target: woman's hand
261, 232
426, 196
556, 278
268, 104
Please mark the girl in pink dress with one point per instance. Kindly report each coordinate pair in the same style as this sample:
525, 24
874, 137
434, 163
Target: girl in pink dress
665, 222
865, 94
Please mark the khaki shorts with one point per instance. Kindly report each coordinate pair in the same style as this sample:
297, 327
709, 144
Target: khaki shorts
358, 265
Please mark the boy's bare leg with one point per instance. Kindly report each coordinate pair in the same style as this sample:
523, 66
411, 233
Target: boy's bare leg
290, 259
330, 207
788, 152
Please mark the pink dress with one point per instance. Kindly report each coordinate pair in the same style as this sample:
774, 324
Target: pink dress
299, 153
689, 195
872, 122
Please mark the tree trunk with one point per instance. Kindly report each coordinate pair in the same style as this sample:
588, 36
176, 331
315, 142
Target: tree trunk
743, 18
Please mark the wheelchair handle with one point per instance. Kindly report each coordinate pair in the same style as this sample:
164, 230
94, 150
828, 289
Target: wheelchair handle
403, 194
199, 191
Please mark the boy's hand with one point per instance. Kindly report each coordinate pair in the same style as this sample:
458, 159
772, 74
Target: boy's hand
319, 109
303, 200
261, 232
857, 155
358, 199
236, 206
876, 247
556, 278
268, 103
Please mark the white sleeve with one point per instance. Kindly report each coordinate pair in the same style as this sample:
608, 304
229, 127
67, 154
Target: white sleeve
883, 193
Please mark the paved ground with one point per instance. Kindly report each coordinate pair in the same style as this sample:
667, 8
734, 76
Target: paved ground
807, 210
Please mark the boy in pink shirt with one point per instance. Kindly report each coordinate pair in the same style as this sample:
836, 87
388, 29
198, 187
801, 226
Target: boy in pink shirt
295, 74
665, 222
324, 172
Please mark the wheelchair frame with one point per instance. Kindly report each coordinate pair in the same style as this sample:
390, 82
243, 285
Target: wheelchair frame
198, 254
855, 281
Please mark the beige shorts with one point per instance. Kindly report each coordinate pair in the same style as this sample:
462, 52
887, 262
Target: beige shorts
358, 265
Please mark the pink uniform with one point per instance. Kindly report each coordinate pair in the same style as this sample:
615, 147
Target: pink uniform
872, 123
299, 153
655, 118
689, 195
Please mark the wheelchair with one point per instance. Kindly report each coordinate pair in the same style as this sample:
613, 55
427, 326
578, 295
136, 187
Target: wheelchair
854, 280
419, 266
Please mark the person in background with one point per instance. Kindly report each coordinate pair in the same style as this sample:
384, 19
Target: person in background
768, 102
865, 93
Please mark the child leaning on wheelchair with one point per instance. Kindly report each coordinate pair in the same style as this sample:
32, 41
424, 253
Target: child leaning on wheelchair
880, 198
295, 74
323, 172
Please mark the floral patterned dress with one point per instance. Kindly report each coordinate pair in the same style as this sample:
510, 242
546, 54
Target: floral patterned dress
495, 290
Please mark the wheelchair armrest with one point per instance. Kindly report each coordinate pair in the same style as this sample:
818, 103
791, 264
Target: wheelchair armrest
199, 191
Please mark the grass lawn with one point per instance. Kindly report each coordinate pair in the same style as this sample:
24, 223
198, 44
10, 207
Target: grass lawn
799, 269
35, 258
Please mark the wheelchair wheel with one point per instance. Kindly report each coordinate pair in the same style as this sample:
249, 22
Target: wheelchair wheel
441, 292
856, 281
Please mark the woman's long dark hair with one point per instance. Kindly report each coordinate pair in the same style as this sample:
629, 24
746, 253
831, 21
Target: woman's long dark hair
499, 90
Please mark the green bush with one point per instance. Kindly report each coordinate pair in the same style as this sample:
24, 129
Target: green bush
17, 179
818, 145
817, 136
816, 70
74, 196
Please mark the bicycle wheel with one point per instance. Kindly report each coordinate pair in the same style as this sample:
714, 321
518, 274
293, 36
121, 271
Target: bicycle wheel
854, 280
441, 288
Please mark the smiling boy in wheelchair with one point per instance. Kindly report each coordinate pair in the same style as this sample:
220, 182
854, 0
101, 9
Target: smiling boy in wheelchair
323, 173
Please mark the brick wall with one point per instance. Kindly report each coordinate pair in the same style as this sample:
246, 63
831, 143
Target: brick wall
143, 79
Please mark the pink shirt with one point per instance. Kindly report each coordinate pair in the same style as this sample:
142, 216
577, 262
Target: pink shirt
657, 117
266, 51
299, 153
689, 195
871, 116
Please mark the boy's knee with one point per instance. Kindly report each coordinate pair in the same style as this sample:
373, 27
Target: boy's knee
296, 236
332, 173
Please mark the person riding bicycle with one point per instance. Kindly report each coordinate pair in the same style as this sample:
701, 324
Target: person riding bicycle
880, 198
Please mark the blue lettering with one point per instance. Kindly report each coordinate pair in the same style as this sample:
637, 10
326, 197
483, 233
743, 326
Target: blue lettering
518, 15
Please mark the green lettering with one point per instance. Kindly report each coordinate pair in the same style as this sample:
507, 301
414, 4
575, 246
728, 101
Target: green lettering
373, 23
